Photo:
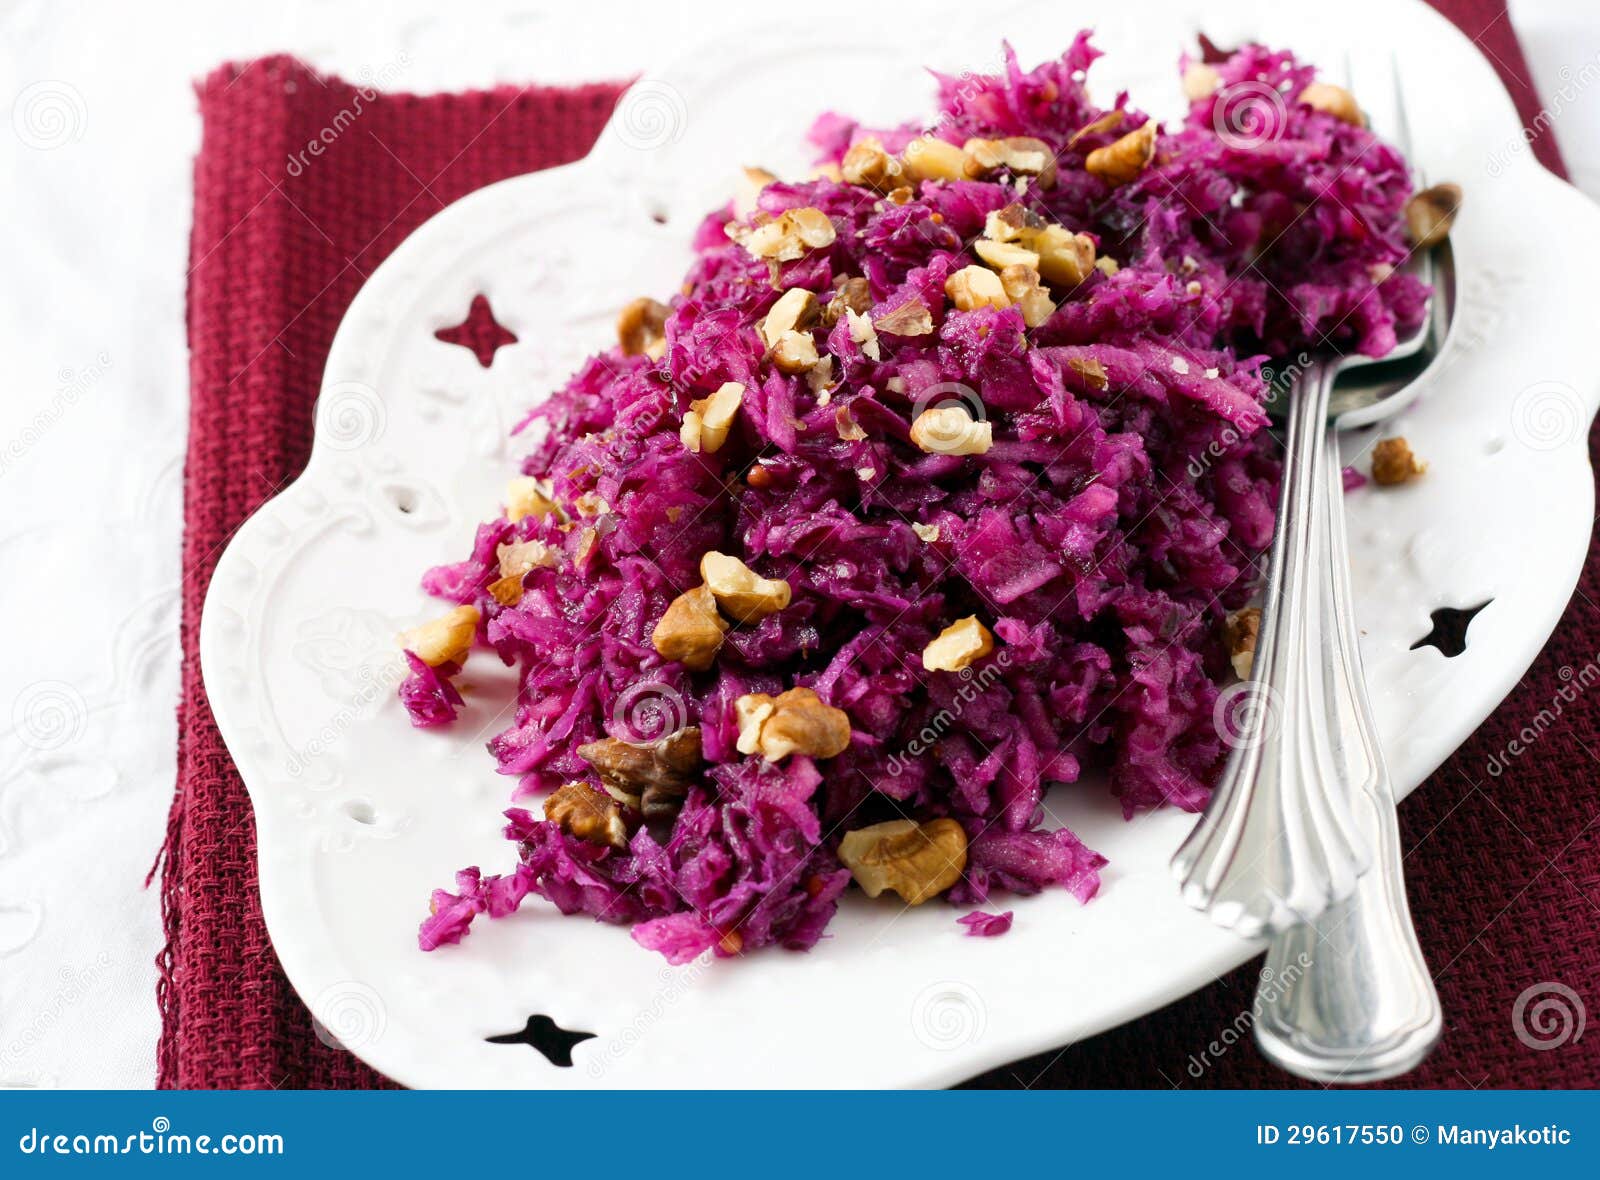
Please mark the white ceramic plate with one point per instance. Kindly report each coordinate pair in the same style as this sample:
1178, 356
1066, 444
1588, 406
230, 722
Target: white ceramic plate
359, 816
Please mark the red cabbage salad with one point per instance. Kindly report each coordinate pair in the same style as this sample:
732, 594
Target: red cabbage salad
934, 484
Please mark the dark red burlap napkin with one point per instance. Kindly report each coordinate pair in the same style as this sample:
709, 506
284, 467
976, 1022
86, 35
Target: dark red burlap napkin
1506, 887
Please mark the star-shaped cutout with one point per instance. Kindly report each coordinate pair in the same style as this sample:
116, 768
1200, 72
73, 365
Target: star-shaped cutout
545, 1035
1449, 632
480, 333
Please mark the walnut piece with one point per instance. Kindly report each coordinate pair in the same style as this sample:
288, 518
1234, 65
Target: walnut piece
793, 722
911, 318
1022, 287
951, 430
1431, 213
927, 532
1199, 80
795, 309
1000, 255
582, 811
1091, 370
706, 425
973, 287
1106, 122
1124, 159
518, 557
1010, 223
744, 595
846, 426
527, 496
1393, 463
852, 293
790, 235
1241, 630
445, 640
651, 777
917, 861
795, 352
691, 630
1021, 155
864, 334
1333, 100
957, 646
930, 158
866, 163
748, 190
642, 328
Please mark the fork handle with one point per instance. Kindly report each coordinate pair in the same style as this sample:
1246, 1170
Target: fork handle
1277, 844
1348, 997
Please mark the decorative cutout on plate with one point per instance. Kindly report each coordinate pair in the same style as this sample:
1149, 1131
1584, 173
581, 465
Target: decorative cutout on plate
1449, 632
480, 333
545, 1035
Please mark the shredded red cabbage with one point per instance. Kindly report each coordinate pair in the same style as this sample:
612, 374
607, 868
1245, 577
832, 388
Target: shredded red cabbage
1121, 511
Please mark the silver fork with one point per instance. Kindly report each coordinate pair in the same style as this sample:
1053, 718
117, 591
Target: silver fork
1348, 997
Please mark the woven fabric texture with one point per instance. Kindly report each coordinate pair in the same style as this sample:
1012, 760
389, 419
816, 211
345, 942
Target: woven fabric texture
1505, 870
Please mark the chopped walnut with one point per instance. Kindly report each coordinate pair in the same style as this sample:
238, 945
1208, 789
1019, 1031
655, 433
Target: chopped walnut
900, 194
917, 861
973, 287
1241, 630
819, 379
866, 163
958, 645
1199, 80
743, 595
795, 352
846, 426
705, 427
951, 430
1065, 258
1022, 287
1020, 155
527, 496
1124, 159
1000, 255
798, 722
790, 235
795, 309
445, 640
1106, 266
507, 591
827, 171
518, 557
1092, 371
927, 532
1431, 213
852, 293
751, 182
1333, 100
591, 504
642, 326
864, 334
1106, 122
1393, 463
584, 812
691, 630
930, 158
911, 318
651, 777
1011, 223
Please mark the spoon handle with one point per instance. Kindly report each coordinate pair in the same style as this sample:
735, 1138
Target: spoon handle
1277, 844
1347, 997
